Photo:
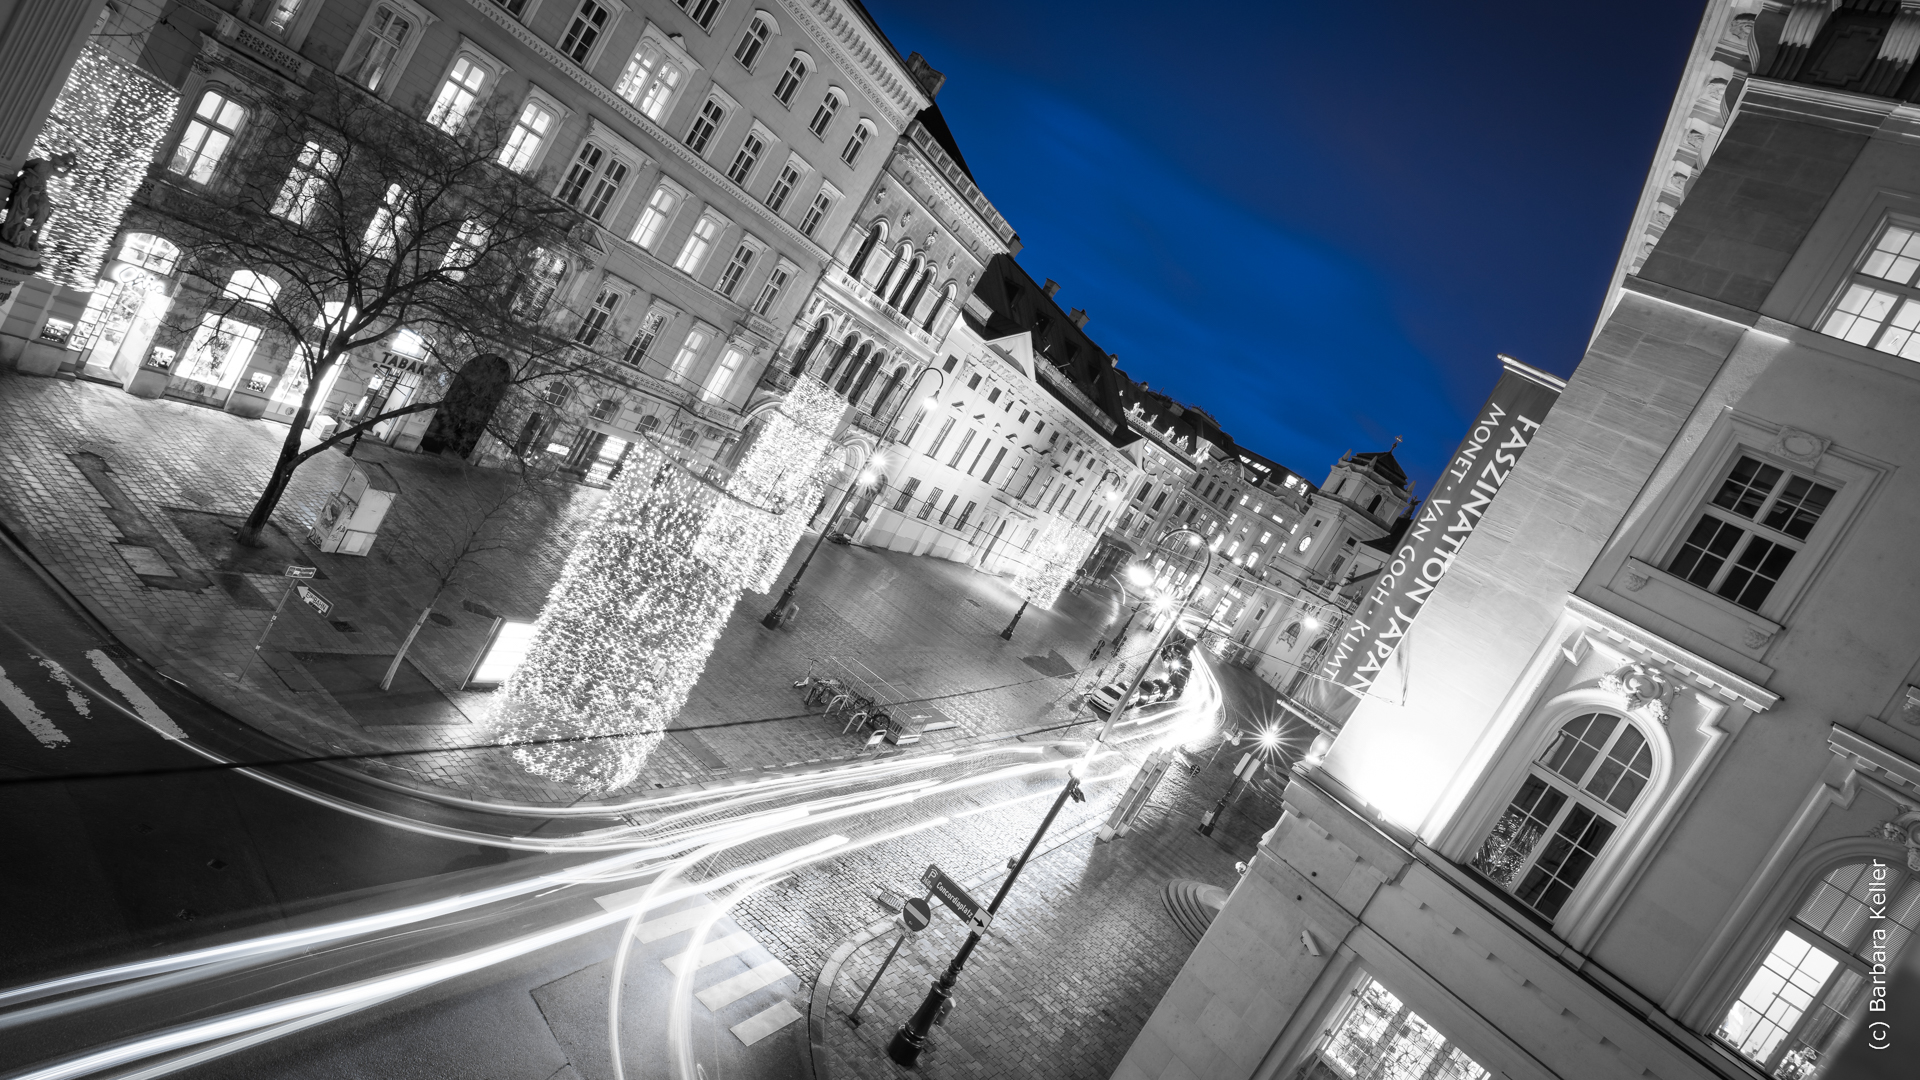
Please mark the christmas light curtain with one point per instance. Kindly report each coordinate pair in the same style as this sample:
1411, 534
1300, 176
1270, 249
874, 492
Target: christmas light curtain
1051, 563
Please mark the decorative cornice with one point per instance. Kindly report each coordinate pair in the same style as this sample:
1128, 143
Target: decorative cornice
1696, 670
958, 210
655, 131
956, 179
867, 61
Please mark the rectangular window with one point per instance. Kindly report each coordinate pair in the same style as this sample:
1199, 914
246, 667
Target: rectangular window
700, 134
643, 341
1880, 306
855, 143
589, 22
454, 103
306, 183
529, 132
947, 510
906, 495
601, 313
279, 16
702, 12
657, 216
747, 158
208, 135
377, 53
954, 462
752, 43
736, 270
926, 508
978, 454
700, 242
790, 81
690, 350
964, 515
770, 292
783, 186
945, 428
999, 456
382, 238
816, 213
724, 371
1749, 531
467, 246
592, 181
649, 80
823, 116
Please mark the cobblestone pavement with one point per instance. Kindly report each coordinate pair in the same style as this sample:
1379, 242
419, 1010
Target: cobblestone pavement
125, 501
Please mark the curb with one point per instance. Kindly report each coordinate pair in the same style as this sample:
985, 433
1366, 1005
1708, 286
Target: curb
814, 1059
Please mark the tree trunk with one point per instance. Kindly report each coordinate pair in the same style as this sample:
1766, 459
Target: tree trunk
386, 682
277, 482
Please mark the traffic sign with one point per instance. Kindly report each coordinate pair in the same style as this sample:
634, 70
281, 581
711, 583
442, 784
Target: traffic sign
298, 571
314, 600
957, 899
915, 915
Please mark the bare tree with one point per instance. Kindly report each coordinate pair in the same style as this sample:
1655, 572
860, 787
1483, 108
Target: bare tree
487, 526
368, 221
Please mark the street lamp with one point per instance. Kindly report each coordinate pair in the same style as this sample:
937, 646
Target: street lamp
911, 1039
869, 472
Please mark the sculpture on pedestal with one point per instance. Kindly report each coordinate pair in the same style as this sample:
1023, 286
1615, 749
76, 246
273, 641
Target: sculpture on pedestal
27, 205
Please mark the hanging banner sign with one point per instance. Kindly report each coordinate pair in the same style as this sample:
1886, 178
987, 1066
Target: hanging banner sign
1477, 471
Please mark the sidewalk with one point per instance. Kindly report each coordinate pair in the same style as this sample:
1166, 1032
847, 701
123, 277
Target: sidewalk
129, 502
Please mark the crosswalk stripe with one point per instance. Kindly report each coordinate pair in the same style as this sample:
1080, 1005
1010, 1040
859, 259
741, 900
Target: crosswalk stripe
668, 925
722, 994
715, 951
143, 707
762, 1024
29, 714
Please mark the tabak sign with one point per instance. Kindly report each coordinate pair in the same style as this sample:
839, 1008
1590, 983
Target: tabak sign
1453, 510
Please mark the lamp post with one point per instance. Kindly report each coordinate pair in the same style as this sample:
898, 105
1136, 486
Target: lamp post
1008, 632
907, 1043
772, 619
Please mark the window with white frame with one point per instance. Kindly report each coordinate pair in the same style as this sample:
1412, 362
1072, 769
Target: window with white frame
661, 206
155, 253
706, 123
252, 288
783, 186
530, 131
1379, 1037
643, 340
1814, 976
606, 304
823, 115
385, 40
468, 244
753, 41
649, 80
747, 158
818, 210
1577, 794
540, 283
280, 15
1749, 531
700, 242
723, 372
770, 292
389, 225
590, 21
306, 183
691, 347
519, 9
791, 80
592, 181
1880, 304
856, 142
459, 92
209, 134
702, 12
736, 269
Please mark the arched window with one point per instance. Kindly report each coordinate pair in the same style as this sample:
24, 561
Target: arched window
649, 422
919, 290
866, 377
859, 263
901, 255
754, 41
155, 253
1813, 978
1577, 794
607, 409
807, 347
840, 357
886, 390
1291, 635
939, 308
898, 294
853, 367
857, 142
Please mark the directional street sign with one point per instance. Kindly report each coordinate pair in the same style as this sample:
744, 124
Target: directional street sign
915, 915
314, 600
957, 899
297, 571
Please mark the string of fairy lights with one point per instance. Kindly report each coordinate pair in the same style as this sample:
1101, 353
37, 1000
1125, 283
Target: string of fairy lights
629, 626
111, 118
1052, 562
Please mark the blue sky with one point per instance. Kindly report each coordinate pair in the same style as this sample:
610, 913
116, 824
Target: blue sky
1319, 222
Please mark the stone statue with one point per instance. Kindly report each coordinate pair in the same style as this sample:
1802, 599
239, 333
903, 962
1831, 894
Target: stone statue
27, 205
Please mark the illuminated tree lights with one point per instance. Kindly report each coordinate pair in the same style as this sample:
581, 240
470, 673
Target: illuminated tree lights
111, 118
1051, 563
628, 628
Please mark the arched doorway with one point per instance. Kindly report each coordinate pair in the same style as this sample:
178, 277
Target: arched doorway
468, 406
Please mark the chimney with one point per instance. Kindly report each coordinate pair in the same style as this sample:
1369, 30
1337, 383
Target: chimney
1079, 317
930, 80
1051, 287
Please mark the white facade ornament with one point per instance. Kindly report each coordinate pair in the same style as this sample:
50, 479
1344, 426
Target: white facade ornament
1647, 689
1635, 579
1800, 446
1757, 638
1904, 830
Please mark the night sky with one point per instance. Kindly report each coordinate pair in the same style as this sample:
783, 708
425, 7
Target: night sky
1317, 221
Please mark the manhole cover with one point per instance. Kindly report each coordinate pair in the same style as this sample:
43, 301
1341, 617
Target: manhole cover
144, 560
